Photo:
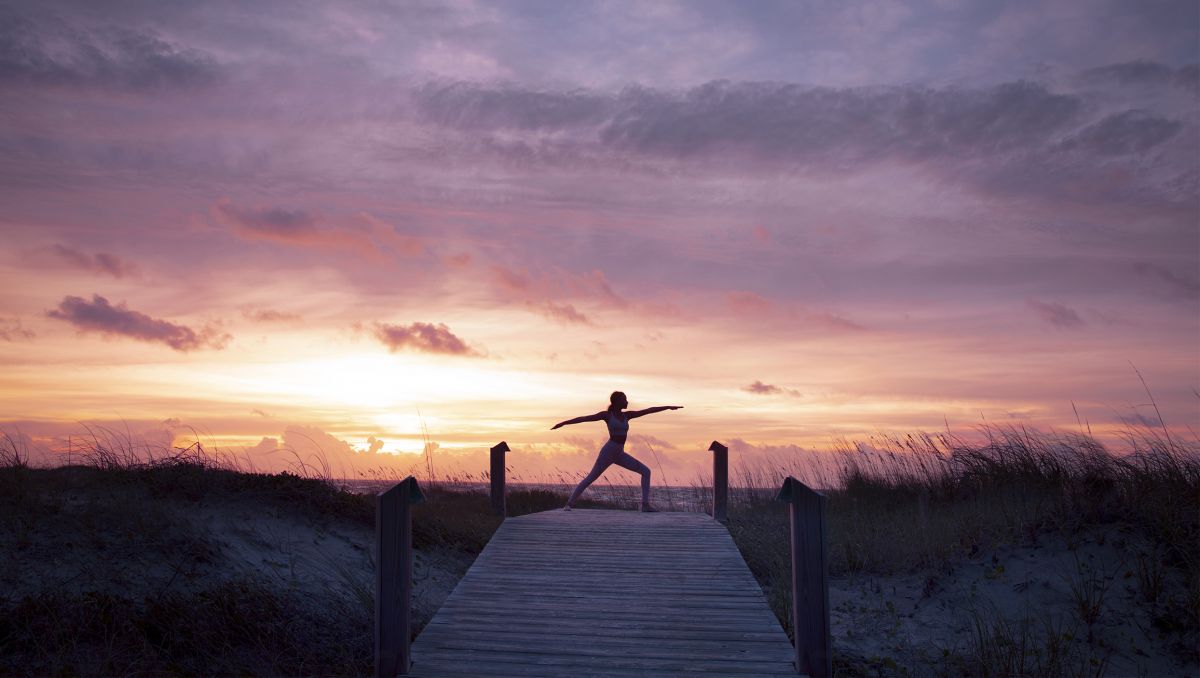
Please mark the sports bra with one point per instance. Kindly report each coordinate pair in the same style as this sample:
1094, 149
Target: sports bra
618, 427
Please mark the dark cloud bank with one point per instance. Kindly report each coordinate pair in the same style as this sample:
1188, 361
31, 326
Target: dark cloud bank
790, 121
50, 51
1019, 136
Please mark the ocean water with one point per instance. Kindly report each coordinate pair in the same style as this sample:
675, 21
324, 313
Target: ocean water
669, 498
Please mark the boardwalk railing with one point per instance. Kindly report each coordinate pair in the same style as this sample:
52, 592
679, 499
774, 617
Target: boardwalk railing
393, 576
676, 573
497, 477
720, 481
810, 578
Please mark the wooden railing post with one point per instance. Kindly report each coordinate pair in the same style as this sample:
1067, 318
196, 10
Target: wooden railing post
497, 475
720, 481
393, 576
810, 578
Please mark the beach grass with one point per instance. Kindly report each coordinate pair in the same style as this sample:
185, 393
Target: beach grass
129, 612
897, 506
923, 503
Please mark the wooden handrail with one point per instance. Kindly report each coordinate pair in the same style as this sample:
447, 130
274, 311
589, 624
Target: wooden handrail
393, 576
810, 578
497, 477
720, 481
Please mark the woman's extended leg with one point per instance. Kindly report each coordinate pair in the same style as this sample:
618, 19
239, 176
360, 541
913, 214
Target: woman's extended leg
602, 462
625, 460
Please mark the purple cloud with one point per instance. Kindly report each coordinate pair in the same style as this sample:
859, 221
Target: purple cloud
270, 222
772, 120
423, 337
1142, 72
100, 262
1124, 133
101, 317
1186, 286
1056, 314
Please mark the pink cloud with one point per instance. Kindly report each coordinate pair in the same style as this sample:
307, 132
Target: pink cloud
758, 307
268, 315
423, 337
831, 321
546, 293
760, 388
748, 303
461, 260
564, 313
362, 233
11, 330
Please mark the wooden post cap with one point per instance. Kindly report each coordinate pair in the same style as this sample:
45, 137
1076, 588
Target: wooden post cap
502, 447
717, 447
792, 490
415, 495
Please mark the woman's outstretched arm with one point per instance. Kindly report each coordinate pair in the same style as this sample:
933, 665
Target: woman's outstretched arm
599, 416
651, 410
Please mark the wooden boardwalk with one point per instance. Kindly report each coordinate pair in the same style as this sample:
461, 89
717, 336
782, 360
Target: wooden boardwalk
606, 593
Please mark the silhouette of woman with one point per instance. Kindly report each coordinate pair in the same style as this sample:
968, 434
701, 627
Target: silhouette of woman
613, 451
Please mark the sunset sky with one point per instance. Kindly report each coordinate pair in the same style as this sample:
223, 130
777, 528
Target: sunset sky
367, 225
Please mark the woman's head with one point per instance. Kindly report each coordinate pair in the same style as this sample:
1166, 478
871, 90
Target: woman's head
617, 401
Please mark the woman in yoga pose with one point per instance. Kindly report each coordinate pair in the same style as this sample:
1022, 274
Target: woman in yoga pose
613, 451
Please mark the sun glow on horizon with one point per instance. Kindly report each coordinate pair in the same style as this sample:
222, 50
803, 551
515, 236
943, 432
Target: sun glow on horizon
292, 237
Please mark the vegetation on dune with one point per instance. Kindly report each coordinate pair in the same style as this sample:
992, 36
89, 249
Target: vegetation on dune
926, 502
114, 504
918, 503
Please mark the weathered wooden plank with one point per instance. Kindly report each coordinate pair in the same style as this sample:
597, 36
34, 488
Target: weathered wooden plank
485, 660
644, 631
517, 596
681, 621
718, 650
440, 669
631, 648
496, 607
605, 593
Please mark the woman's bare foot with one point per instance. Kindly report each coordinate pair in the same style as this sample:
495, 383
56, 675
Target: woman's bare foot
567, 507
